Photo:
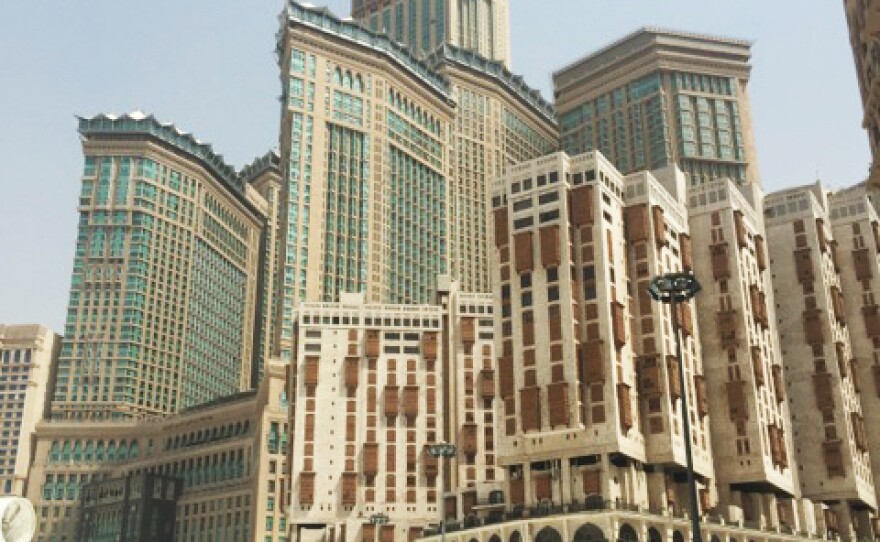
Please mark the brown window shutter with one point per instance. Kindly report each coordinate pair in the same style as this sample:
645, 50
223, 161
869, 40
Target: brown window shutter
522, 243
310, 369
487, 384
778, 383
871, 316
506, 384
593, 361
823, 390
842, 362
392, 400
837, 305
468, 439
371, 458
758, 366
386, 533
759, 307
720, 261
875, 229
727, 324
813, 329
803, 263
350, 427
686, 251
673, 376
592, 480
373, 347
736, 401
430, 401
349, 488
581, 206
429, 345
306, 487
862, 263
760, 252
530, 406
702, 396
637, 227
855, 375
820, 234
557, 404
742, 239
551, 247
833, 456
411, 401
685, 319
670, 495
659, 225
624, 403
502, 230
310, 427
543, 486
831, 521
411, 458
649, 376
618, 324
431, 464
528, 329
468, 330
369, 533
554, 322
351, 372
705, 503
517, 491
468, 501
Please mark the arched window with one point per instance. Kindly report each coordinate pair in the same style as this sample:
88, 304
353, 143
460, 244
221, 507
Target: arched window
111, 451
677, 536
589, 533
346, 81
90, 451
515, 537
548, 534
55, 452
65, 451
99, 452
123, 451
495, 538
654, 535
627, 534
337, 77
78, 451
134, 451
358, 84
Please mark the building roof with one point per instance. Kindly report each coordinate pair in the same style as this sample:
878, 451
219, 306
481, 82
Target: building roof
324, 20
140, 123
656, 33
448, 53
270, 161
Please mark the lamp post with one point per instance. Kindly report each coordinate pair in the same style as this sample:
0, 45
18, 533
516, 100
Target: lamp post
443, 450
672, 289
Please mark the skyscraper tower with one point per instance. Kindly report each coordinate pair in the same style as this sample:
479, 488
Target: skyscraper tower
864, 27
481, 26
658, 97
161, 313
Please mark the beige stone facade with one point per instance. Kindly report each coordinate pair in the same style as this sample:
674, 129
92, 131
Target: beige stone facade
374, 386
480, 26
229, 454
28, 358
754, 458
863, 17
658, 97
829, 431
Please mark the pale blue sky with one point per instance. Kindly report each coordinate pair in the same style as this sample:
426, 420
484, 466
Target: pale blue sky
209, 67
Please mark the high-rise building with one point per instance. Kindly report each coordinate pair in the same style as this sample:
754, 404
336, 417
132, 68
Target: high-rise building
499, 121
856, 229
830, 437
863, 17
481, 26
264, 175
162, 309
754, 457
373, 386
225, 462
658, 97
28, 358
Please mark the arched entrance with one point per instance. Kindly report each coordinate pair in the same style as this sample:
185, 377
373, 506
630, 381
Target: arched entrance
677, 537
515, 537
654, 535
627, 534
548, 534
495, 538
589, 533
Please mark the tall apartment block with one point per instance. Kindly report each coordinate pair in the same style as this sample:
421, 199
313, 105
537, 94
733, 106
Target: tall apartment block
659, 242
161, 313
656, 98
28, 358
371, 388
754, 458
569, 431
829, 431
219, 469
264, 175
481, 26
406, 149
863, 17
499, 122
856, 228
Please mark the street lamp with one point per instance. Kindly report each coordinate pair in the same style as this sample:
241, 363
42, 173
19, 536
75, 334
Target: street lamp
672, 289
443, 450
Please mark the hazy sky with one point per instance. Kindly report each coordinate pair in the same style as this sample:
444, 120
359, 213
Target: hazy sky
209, 66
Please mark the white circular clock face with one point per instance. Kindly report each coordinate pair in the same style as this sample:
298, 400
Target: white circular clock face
17, 520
